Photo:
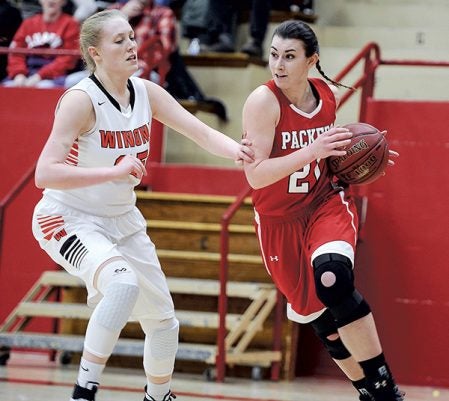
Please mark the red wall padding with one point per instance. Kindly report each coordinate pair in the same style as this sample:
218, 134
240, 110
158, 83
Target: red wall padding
405, 252
26, 116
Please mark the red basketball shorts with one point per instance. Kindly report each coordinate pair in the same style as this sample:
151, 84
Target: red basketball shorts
290, 243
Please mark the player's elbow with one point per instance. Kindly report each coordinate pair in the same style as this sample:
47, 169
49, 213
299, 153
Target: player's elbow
255, 184
40, 178
39, 181
253, 181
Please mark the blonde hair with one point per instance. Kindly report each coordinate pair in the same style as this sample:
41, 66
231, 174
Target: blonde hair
90, 34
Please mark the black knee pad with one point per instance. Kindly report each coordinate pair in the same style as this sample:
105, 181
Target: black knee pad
334, 279
334, 282
325, 326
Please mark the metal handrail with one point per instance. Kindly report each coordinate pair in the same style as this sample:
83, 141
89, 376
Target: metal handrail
370, 55
11, 195
39, 51
224, 265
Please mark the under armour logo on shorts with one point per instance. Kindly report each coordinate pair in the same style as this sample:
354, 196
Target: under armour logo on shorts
274, 258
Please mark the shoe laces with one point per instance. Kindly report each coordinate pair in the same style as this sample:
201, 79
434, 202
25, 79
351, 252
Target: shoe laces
169, 396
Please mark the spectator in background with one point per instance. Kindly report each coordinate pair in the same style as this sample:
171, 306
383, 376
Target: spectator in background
83, 9
51, 29
149, 20
195, 23
10, 20
220, 19
79, 9
258, 23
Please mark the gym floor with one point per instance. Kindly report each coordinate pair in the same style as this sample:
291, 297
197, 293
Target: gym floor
31, 377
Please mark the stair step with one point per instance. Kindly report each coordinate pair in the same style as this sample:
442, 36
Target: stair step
75, 343
215, 59
177, 285
212, 287
196, 226
193, 198
192, 208
81, 311
135, 347
208, 256
202, 237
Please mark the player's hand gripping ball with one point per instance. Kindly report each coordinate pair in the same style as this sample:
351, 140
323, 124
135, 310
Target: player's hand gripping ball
366, 157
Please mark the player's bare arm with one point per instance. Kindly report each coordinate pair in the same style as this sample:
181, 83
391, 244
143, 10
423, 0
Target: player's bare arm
74, 117
169, 112
259, 128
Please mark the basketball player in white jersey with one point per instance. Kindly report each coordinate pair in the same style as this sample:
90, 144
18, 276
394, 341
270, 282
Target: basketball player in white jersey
87, 220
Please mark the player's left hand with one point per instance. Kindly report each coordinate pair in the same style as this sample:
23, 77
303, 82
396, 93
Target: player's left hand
245, 153
392, 154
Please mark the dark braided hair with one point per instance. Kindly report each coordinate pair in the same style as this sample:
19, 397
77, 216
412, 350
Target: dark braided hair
294, 29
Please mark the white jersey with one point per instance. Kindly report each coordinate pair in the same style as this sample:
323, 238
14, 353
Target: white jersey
117, 132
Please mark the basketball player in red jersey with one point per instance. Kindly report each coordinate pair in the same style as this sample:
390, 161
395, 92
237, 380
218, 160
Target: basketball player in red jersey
306, 225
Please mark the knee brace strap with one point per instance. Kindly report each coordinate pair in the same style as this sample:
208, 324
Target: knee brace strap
334, 282
324, 327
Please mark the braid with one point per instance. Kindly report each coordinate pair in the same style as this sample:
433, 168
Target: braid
320, 70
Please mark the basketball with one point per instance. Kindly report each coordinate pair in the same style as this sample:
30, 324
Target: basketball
366, 158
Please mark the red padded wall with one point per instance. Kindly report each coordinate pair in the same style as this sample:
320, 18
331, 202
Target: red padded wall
26, 116
403, 259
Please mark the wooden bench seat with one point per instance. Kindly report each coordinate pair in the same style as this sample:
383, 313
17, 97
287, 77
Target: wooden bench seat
176, 285
82, 311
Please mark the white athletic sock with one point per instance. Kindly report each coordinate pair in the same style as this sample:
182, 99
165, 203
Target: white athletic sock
89, 373
158, 391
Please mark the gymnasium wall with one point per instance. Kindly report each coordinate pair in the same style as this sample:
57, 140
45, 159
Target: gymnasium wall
26, 116
403, 257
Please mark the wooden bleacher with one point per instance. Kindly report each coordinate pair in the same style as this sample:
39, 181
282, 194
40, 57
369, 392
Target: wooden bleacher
185, 229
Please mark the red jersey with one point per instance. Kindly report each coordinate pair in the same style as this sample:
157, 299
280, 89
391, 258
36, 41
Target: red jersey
296, 130
35, 33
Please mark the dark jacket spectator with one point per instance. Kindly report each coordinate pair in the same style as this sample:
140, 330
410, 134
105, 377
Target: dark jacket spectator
10, 20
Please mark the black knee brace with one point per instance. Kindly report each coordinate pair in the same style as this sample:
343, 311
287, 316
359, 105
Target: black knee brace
325, 326
334, 282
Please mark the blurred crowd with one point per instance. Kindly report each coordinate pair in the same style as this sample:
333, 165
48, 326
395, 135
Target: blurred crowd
210, 26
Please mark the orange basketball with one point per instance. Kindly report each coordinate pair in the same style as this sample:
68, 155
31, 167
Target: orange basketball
366, 158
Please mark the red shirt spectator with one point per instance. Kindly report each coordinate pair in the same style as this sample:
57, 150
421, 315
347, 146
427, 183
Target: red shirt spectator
51, 29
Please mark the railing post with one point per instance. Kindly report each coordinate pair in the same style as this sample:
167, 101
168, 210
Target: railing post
277, 334
10, 196
220, 360
368, 86
222, 300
